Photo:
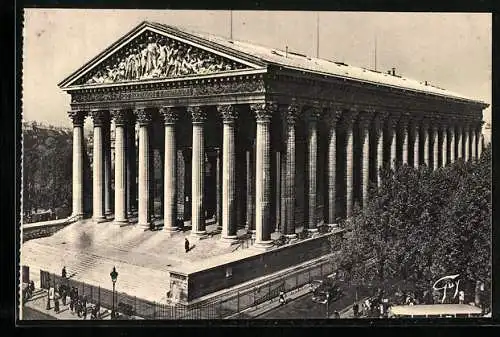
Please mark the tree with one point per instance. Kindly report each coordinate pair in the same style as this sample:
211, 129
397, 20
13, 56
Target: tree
421, 224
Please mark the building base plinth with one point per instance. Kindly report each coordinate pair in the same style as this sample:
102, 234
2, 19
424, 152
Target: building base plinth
263, 245
195, 236
99, 219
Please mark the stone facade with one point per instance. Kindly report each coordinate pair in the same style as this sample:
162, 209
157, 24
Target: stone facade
251, 143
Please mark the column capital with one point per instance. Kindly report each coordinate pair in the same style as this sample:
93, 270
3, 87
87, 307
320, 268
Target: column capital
169, 114
292, 112
143, 116
264, 111
364, 119
77, 116
313, 113
228, 113
120, 116
198, 114
99, 117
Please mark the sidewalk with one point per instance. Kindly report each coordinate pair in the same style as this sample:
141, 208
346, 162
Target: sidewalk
39, 303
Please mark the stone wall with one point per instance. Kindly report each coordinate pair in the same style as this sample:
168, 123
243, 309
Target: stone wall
215, 279
40, 230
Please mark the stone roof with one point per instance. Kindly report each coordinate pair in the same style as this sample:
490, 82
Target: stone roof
310, 64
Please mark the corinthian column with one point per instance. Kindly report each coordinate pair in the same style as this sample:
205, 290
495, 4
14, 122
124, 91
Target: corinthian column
349, 171
263, 113
405, 151
444, 145
107, 165
477, 145
120, 118
198, 116
313, 162
425, 135
459, 153
98, 117
416, 143
451, 137
364, 134
78, 118
391, 136
144, 119
229, 229
170, 169
435, 146
131, 161
470, 148
466, 142
332, 166
379, 145
291, 118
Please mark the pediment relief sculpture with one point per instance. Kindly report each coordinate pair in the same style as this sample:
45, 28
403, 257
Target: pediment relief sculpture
152, 55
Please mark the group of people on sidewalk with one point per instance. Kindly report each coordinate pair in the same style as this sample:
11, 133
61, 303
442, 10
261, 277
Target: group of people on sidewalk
77, 303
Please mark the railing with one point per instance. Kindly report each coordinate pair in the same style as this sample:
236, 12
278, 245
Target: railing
232, 304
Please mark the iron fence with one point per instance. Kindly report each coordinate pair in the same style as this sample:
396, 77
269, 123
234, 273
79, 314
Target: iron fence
229, 305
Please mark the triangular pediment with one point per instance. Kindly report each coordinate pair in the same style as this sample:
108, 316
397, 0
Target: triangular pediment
149, 53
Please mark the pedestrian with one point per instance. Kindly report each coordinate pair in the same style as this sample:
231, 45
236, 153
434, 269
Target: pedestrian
336, 314
98, 309
63, 295
63, 273
355, 309
78, 307
56, 304
461, 297
186, 244
84, 310
282, 297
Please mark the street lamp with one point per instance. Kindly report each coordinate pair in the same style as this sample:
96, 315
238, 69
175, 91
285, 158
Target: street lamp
114, 276
327, 303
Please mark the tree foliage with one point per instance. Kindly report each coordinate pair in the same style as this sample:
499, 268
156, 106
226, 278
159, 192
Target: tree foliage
47, 169
421, 225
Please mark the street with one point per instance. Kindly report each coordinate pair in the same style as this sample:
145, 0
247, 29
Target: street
31, 314
305, 307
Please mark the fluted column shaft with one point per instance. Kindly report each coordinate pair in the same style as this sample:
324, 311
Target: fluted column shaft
472, 136
477, 146
435, 147
107, 166
218, 182
170, 169
452, 137
349, 172
263, 114
391, 132
250, 191
332, 171
144, 120
445, 152
379, 140
459, 135
365, 159
98, 167
131, 167
120, 166
290, 171
228, 173
404, 142
416, 145
466, 143
198, 172
78, 118
313, 173
480, 144
426, 144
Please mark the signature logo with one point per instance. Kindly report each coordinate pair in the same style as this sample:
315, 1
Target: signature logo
445, 283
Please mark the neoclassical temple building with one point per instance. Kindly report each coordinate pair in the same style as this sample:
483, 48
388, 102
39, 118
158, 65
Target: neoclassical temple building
252, 136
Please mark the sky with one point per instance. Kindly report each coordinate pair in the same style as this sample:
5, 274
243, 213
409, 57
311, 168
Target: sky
449, 50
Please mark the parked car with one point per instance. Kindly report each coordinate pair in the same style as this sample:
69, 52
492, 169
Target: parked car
327, 291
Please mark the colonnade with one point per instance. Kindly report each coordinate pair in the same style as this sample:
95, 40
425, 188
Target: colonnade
358, 143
